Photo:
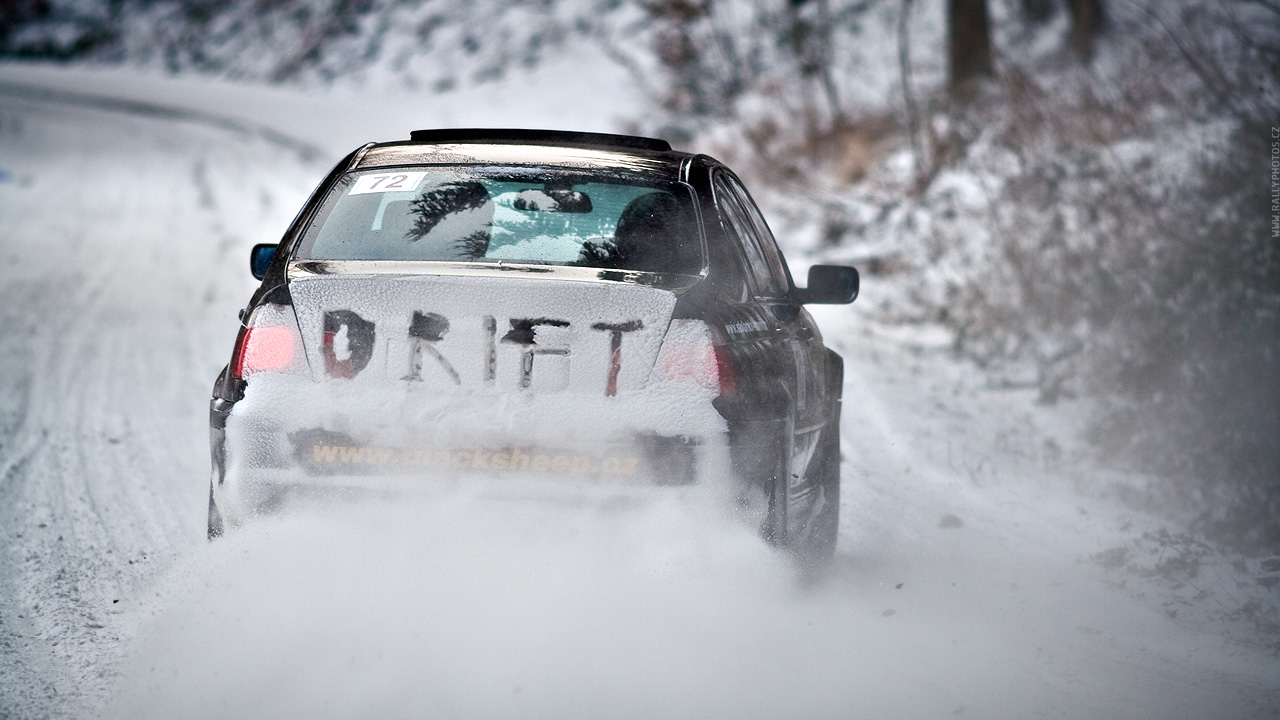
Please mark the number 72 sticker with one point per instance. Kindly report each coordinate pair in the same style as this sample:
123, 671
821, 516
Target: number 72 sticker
387, 182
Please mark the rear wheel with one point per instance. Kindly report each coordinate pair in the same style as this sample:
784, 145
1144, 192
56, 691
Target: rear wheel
815, 546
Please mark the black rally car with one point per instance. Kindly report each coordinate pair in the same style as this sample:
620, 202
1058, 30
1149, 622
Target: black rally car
581, 309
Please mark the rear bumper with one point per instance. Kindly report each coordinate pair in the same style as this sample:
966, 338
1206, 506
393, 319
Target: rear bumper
259, 460
662, 464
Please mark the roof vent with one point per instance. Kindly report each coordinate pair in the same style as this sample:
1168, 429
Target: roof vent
539, 137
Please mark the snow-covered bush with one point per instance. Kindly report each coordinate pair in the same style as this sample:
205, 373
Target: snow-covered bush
1109, 230
432, 44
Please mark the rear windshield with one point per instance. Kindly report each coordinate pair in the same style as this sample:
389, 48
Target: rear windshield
544, 216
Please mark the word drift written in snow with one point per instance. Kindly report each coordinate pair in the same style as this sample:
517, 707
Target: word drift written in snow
349, 339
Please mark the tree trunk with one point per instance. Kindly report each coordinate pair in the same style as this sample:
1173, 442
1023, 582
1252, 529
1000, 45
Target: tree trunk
1037, 12
1087, 20
969, 46
808, 37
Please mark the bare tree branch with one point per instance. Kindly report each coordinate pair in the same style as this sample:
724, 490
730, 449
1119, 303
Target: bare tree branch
908, 93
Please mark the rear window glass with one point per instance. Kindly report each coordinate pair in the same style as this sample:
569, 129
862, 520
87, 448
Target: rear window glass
547, 216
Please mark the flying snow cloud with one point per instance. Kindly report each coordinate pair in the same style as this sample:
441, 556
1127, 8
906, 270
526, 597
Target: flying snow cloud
474, 606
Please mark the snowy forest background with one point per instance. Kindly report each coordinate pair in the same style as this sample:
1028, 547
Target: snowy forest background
1082, 192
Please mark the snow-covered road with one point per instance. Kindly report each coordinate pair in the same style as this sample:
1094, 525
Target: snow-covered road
118, 232
963, 586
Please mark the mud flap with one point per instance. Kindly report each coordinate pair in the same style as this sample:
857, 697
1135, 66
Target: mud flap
215, 517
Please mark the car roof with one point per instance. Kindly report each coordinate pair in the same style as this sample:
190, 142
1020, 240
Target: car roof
514, 147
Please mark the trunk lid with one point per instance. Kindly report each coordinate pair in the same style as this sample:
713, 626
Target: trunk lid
490, 330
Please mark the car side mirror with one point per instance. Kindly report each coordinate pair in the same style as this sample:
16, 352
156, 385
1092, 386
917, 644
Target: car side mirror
260, 259
831, 285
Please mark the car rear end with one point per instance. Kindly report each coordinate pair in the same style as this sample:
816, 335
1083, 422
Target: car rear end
501, 319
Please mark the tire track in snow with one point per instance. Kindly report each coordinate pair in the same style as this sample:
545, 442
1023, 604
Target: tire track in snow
304, 151
109, 349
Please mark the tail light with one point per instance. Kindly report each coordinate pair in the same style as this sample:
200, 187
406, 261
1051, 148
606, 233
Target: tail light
269, 342
690, 354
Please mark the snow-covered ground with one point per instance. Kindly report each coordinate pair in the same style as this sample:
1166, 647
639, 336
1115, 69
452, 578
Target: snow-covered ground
972, 577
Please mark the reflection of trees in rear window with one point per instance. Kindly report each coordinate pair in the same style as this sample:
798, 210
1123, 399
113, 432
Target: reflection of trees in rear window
462, 212
540, 218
